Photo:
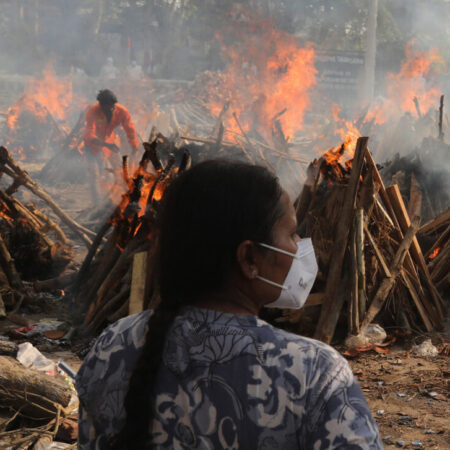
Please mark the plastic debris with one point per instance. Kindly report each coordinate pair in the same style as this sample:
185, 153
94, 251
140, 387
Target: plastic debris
401, 394
417, 444
380, 412
430, 432
373, 334
426, 348
29, 356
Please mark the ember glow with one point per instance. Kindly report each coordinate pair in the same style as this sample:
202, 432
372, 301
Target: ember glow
410, 83
434, 253
269, 78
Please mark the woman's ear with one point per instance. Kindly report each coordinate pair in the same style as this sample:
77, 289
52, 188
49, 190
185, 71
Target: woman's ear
247, 256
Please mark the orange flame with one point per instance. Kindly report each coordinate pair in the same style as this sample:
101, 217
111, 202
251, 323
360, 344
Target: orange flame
434, 253
409, 83
269, 77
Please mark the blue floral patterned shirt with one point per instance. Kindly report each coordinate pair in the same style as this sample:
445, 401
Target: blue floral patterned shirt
228, 381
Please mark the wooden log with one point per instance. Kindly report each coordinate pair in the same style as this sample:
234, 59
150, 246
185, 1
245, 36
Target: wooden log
416, 252
8, 266
415, 198
17, 172
108, 308
92, 251
387, 284
55, 283
332, 305
434, 225
33, 393
8, 348
136, 303
111, 277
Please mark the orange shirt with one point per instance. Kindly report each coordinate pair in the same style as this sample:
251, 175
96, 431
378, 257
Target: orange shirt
97, 126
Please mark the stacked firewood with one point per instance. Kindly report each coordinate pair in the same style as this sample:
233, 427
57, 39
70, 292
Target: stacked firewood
437, 232
32, 245
116, 277
368, 254
366, 245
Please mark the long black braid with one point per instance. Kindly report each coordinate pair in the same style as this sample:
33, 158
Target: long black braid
206, 213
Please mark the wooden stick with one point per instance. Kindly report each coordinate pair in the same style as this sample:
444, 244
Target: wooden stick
381, 260
354, 301
416, 252
261, 155
361, 266
332, 305
441, 115
386, 285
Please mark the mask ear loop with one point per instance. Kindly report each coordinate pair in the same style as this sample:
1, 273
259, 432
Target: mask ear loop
279, 250
282, 286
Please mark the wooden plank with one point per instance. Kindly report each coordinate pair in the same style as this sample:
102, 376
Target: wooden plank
139, 275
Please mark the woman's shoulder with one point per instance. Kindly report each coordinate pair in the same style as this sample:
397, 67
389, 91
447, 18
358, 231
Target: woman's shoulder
304, 351
115, 349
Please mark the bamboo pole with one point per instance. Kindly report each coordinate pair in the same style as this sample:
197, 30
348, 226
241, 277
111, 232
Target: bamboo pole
361, 266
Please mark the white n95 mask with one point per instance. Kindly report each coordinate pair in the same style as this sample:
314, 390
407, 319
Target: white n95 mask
300, 278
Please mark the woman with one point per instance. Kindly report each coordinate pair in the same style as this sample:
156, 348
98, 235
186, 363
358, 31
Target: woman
202, 371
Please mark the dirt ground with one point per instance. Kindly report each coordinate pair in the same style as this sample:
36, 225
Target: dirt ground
408, 394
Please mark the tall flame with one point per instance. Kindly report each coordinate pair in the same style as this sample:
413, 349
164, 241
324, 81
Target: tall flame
410, 83
269, 77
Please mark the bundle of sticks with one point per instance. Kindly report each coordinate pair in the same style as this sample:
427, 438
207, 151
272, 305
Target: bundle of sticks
32, 244
367, 250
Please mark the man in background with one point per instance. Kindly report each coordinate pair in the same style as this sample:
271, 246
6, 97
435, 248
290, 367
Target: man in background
99, 137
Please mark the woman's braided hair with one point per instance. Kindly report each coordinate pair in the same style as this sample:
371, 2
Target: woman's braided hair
206, 213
